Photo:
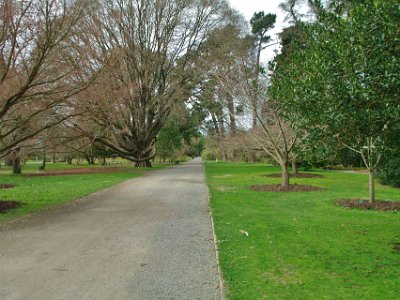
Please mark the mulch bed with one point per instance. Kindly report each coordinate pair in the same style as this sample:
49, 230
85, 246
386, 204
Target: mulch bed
280, 188
300, 175
6, 186
364, 204
81, 171
6, 205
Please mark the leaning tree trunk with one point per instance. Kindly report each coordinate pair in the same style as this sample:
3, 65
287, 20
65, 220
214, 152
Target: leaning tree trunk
285, 174
16, 160
371, 198
295, 171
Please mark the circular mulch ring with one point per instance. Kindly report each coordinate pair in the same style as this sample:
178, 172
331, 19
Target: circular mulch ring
6, 186
364, 204
300, 175
280, 188
81, 171
6, 205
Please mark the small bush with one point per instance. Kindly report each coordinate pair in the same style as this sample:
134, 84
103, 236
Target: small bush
390, 171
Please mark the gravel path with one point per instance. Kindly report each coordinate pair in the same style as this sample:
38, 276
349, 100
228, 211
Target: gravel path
147, 238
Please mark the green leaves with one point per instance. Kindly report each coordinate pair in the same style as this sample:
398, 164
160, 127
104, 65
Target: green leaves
261, 23
344, 75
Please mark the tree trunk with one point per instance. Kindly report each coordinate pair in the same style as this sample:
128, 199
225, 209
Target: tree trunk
89, 159
253, 156
16, 160
285, 175
43, 166
143, 164
232, 117
371, 186
104, 161
294, 167
223, 155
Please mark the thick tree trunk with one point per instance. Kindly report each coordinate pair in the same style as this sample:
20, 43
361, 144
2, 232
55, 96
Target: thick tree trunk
285, 175
232, 117
215, 122
294, 167
223, 155
371, 186
16, 160
90, 159
143, 164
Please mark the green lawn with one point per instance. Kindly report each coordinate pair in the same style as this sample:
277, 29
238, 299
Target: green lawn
37, 193
302, 245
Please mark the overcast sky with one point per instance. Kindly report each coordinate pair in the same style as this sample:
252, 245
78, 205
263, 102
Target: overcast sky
249, 7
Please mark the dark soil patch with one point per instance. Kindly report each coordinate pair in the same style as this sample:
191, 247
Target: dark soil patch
82, 171
364, 204
6, 205
300, 175
396, 247
290, 188
6, 186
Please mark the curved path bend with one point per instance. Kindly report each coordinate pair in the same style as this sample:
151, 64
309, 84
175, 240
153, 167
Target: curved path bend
147, 238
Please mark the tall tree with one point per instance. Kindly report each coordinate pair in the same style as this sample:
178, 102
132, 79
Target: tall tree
41, 70
149, 48
260, 23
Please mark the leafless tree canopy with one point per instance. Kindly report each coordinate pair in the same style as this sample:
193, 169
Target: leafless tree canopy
40, 68
148, 49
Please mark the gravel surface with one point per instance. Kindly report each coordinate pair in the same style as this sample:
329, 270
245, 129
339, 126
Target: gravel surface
147, 238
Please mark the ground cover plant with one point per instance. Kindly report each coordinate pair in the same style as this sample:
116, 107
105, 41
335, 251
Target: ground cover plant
35, 193
303, 245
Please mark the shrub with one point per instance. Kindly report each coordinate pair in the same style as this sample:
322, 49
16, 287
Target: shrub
390, 170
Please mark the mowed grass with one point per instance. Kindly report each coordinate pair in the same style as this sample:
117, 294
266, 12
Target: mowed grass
38, 193
302, 245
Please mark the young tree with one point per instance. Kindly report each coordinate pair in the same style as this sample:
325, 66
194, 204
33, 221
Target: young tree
342, 83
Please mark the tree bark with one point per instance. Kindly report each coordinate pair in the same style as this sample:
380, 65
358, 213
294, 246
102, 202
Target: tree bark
285, 174
143, 164
16, 160
232, 117
294, 167
43, 166
371, 186
223, 154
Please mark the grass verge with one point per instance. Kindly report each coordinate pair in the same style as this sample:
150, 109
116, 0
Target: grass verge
38, 193
302, 245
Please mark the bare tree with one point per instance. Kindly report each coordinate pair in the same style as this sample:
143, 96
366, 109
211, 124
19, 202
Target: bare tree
149, 48
40, 70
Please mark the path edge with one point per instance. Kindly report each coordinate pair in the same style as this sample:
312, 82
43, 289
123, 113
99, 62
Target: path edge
221, 280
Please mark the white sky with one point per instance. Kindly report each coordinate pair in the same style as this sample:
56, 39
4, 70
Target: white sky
249, 7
